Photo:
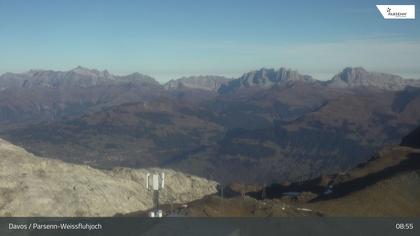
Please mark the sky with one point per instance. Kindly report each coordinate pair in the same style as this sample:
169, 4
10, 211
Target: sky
170, 39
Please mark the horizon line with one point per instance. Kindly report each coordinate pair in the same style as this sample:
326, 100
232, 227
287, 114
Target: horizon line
179, 76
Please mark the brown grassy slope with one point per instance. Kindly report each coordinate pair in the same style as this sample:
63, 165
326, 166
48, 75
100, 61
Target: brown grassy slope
394, 195
384, 186
397, 196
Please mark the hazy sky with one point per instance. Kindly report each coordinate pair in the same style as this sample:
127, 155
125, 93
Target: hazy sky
169, 39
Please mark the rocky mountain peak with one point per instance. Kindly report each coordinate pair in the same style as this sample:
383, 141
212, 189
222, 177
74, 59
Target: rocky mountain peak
268, 77
81, 68
203, 82
353, 73
83, 71
352, 77
265, 77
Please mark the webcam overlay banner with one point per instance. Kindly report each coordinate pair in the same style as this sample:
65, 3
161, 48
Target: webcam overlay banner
322, 226
398, 12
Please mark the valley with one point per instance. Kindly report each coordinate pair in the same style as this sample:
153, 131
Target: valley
384, 186
263, 127
269, 143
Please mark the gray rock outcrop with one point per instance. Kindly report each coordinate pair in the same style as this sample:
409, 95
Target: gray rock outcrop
352, 77
265, 78
78, 77
34, 186
207, 82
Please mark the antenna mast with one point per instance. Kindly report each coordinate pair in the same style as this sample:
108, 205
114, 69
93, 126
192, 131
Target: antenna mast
155, 183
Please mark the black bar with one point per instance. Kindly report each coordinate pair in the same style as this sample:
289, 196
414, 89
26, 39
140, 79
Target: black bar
215, 226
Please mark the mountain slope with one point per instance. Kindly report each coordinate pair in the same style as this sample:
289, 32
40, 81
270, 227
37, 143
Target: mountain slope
288, 132
33, 186
78, 77
42, 95
276, 125
353, 77
390, 187
385, 186
412, 139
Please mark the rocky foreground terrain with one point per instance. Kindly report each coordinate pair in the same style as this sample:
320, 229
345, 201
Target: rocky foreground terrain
34, 186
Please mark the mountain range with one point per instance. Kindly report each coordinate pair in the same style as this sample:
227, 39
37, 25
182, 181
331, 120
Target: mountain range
78, 77
267, 125
265, 77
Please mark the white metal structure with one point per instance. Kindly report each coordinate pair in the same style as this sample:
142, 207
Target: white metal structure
155, 183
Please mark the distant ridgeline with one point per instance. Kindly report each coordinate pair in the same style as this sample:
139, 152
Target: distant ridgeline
269, 125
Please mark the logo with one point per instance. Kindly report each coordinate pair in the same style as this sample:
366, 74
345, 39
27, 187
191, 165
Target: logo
399, 12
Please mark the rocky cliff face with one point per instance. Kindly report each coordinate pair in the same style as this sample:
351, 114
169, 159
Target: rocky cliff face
208, 82
358, 77
265, 78
34, 186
